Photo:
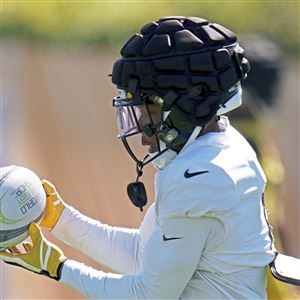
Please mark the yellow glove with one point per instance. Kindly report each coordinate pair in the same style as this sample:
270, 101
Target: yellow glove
54, 206
41, 257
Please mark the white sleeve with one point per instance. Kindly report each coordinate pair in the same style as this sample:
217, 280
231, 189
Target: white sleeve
116, 247
170, 258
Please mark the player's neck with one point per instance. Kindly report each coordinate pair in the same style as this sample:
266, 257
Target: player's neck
214, 125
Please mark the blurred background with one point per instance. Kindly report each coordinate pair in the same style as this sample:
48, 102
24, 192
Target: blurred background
57, 118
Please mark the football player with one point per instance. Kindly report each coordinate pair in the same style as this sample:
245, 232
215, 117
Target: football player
206, 236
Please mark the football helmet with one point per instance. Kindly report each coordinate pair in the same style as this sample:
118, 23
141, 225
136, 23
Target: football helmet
189, 67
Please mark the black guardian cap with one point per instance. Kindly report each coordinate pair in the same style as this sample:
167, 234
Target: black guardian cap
193, 65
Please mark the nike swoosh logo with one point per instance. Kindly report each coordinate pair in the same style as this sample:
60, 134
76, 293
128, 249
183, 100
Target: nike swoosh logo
188, 175
171, 238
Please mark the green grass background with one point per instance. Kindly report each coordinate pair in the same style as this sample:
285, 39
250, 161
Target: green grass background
110, 22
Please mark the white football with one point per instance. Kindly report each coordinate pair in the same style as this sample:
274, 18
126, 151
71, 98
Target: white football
22, 201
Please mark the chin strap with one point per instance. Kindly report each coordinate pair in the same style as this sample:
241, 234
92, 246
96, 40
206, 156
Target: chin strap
232, 103
164, 158
193, 136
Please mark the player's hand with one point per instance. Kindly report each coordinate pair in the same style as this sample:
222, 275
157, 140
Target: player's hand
41, 257
54, 206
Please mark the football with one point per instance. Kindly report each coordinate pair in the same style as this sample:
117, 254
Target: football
22, 201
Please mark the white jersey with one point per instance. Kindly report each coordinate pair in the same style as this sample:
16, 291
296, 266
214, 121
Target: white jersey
205, 237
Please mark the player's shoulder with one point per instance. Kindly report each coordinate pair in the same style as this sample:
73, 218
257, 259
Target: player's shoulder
198, 164
209, 176
195, 170
193, 187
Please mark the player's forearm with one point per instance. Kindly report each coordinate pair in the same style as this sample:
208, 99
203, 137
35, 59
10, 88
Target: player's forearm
96, 284
114, 247
164, 274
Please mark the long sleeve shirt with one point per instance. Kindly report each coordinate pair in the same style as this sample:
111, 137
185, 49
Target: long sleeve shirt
205, 237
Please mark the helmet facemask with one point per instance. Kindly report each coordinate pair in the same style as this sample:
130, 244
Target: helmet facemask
137, 115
